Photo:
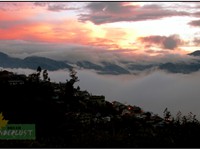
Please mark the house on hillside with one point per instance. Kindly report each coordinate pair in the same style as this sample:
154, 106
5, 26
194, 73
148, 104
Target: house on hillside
85, 118
16, 79
83, 94
99, 100
16, 82
118, 106
135, 109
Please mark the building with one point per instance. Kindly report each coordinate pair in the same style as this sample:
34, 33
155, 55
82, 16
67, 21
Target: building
16, 82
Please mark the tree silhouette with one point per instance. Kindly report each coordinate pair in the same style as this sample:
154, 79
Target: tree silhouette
39, 69
74, 77
167, 115
69, 87
35, 77
82, 121
45, 75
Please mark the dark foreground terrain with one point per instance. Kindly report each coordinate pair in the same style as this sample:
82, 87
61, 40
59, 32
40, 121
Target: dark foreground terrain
67, 117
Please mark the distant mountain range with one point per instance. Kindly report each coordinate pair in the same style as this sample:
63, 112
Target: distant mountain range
102, 68
31, 63
195, 53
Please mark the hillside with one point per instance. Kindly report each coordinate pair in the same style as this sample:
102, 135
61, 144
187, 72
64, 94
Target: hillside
67, 117
195, 53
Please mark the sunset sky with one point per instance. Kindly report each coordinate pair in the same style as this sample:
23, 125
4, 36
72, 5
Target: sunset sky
120, 32
125, 28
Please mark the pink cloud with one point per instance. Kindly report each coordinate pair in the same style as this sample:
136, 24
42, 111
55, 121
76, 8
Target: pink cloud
166, 42
55, 6
108, 12
195, 23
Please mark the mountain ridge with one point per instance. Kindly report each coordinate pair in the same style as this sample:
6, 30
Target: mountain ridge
104, 67
195, 53
31, 62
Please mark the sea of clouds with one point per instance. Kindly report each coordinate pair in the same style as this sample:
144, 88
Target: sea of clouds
152, 91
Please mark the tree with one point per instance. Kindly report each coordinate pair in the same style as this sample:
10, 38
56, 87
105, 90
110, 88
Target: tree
69, 87
167, 115
45, 76
35, 77
73, 76
39, 69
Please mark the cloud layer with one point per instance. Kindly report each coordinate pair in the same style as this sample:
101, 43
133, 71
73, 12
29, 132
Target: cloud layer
152, 92
170, 42
195, 23
70, 30
108, 12
55, 6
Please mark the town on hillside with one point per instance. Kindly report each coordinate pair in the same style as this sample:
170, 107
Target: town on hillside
68, 117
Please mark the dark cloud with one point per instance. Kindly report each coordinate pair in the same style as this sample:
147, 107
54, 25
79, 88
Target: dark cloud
166, 42
42, 4
54, 6
108, 12
196, 14
156, 51
58, 7
171, 42
195, 23
110, 7
196, 41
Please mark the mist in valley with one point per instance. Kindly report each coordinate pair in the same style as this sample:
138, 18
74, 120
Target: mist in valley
152, 91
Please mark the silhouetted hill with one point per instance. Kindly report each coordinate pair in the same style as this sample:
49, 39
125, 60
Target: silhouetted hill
110, 68
195, 53
180, 67
6, 61
34, 62
139, 67
3, 55
67, 117
89, 65
31, 63
103, 67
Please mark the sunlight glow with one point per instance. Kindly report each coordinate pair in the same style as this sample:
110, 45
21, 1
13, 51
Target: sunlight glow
53, 23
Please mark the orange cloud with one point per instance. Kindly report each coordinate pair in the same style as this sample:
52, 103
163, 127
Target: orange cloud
35, 23
67, 31
13, 11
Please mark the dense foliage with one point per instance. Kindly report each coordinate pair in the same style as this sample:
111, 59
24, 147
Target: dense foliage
67, 117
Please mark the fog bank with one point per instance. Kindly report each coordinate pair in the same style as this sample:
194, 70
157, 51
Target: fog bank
152, 92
